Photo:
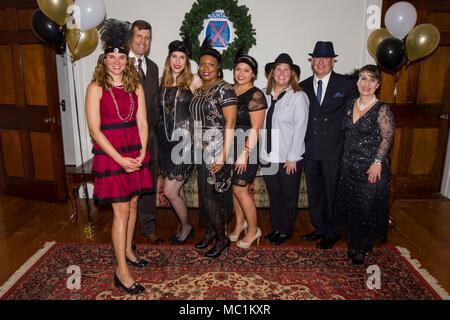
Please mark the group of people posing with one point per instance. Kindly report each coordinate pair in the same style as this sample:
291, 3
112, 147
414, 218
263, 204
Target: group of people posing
331, 125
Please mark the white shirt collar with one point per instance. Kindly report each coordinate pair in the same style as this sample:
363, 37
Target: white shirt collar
132, 55
324, 80
289, 88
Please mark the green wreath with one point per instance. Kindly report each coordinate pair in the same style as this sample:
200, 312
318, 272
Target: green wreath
238, 15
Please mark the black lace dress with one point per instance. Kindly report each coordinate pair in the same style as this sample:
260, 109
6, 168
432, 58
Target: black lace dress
250, 101
214, 192
175, 133
364, 207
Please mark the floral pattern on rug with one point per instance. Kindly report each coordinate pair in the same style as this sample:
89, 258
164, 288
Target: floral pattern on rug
261, 273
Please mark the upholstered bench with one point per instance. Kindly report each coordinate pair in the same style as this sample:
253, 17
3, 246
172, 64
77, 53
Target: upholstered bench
258, 190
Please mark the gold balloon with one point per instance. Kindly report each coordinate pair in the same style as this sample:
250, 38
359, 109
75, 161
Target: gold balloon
421, 41
55, 10
81, 43
374, 40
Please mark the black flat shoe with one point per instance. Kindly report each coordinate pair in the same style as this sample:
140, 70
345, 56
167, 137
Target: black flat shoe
136, 288
220, 246
281, 238
138, 263
177, 240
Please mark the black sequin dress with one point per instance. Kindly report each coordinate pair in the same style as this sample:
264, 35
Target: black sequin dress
364, 207
175, 133
214, 192
250, 101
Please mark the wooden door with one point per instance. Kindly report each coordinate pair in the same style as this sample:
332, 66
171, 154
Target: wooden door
31, 152
421, 108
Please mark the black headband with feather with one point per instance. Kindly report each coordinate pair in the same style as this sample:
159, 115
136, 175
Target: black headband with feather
206, 49
114, 34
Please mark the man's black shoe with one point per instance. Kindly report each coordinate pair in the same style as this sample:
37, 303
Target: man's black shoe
281, 238
313, 236
326, 243
271, 236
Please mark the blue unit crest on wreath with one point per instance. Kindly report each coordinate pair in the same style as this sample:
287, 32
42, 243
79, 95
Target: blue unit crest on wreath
218, 30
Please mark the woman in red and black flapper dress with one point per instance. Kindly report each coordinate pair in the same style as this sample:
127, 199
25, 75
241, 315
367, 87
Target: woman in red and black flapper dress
116, 114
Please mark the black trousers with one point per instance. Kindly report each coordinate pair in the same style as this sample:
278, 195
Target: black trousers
147, 202
283, 196
322, 181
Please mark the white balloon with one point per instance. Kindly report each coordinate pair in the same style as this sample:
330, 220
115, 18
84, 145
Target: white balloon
91, 13
400, 18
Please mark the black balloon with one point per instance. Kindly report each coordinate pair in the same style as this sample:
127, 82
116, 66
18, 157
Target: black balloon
391, 54
47, 30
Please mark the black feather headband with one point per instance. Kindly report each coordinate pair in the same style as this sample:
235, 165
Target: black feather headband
115, 34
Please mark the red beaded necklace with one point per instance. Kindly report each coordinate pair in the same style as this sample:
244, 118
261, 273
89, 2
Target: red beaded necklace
130, 114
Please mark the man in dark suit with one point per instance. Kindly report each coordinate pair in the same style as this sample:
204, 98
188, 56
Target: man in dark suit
328, 92
140, 41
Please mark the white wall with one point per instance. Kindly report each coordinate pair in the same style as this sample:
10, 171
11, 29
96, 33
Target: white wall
291, 26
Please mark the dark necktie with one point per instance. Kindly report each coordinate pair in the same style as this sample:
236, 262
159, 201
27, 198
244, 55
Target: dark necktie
140, 70
269, 121
319, 91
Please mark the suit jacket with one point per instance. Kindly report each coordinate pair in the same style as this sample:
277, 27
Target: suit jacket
324, 140
151, 88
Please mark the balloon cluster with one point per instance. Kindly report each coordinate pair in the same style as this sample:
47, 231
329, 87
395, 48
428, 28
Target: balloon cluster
387, 45
71, 22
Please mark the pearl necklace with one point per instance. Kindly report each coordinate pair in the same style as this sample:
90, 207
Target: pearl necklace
130, 114
174, 114
361, 106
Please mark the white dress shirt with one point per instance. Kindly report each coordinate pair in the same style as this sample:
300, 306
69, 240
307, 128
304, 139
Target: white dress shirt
289, 122
136, 62
325, 81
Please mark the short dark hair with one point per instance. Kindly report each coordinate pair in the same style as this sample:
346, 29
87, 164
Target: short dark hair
141, 25
372, 70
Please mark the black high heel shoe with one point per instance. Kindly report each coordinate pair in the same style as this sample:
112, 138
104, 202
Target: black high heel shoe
359, 258
136, 288
350, 253
205, 242
138, 263
190, 235
220, 246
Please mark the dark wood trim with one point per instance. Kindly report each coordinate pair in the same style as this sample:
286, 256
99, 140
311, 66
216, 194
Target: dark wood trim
55, 128
446, 94
45, 191
13, 118
27, 153
2, 169
20, 4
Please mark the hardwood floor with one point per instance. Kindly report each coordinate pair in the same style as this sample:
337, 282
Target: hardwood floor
421, 226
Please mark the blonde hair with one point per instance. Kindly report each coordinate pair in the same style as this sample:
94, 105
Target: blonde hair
130, 77
293, 81
184, 79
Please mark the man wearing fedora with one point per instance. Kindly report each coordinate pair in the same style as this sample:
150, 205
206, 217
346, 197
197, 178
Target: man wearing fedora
328, 92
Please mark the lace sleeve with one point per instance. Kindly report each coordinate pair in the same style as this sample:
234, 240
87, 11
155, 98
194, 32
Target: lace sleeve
227, 96
257, 102
387, 128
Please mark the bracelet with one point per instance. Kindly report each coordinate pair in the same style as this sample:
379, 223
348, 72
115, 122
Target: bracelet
377, 162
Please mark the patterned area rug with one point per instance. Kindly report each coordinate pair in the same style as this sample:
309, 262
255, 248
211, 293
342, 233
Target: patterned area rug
263, 273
